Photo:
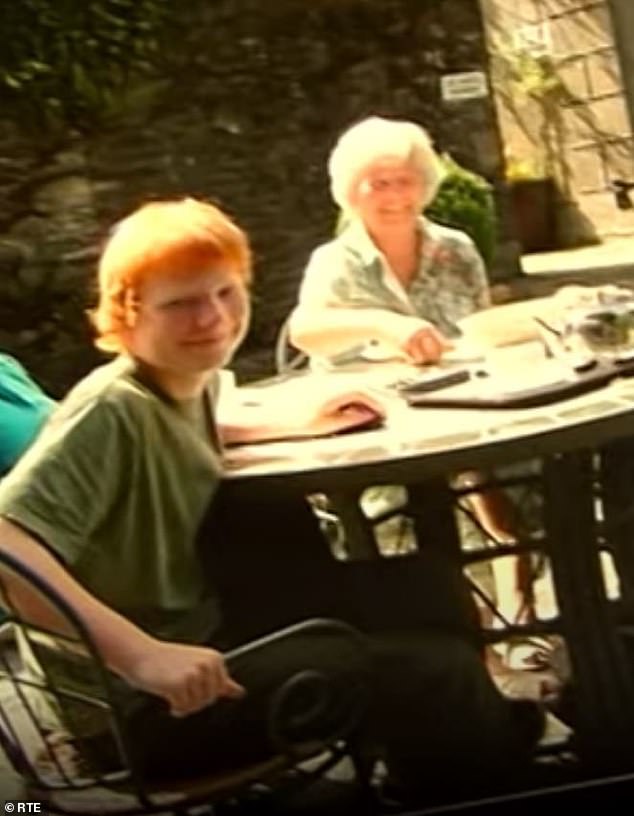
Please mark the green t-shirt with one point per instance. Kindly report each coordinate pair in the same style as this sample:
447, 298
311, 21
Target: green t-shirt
23, 409
117, 485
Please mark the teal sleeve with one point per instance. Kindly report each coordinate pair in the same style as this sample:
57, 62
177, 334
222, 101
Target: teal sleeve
24, 408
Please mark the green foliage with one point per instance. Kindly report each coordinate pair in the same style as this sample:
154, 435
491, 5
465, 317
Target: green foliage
524, 73
465, 201
529, 82
65, 62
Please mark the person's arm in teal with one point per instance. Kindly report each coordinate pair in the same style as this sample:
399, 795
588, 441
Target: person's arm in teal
24, 407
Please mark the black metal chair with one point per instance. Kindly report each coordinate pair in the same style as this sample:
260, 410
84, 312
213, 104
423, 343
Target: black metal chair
58, 767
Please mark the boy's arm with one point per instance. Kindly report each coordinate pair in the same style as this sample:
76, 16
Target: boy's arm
187, 677
285, 419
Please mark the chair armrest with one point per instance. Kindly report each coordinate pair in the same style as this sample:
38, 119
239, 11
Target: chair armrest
310, 626
310, 705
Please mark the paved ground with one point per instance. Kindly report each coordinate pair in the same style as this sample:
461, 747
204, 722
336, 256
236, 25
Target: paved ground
544, 272
614, 254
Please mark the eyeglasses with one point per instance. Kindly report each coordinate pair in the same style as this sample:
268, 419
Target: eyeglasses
382, 184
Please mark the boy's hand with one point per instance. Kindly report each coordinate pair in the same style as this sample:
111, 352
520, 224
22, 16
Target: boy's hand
345, 410
189, 678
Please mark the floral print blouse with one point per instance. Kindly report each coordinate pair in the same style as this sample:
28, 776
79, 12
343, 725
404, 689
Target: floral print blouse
350, 271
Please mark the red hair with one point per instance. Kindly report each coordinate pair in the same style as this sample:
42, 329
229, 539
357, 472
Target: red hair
161, 237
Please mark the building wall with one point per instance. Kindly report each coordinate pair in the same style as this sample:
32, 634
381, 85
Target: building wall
587, 133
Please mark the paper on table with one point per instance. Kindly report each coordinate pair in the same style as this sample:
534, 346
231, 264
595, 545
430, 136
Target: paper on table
506, 324
463, 351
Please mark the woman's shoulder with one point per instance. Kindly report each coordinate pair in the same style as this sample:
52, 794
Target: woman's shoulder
10, 365
453, 248
352, 246
326, 250
330, 259
450, 236
17, 383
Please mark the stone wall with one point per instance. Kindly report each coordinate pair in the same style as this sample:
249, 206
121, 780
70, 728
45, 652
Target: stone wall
244, 107
586, 136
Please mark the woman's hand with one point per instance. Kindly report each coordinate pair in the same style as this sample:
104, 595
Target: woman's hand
426, 345
188, 678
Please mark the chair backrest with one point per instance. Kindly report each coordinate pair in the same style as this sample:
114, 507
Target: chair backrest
55, 685
58, 683
287, 358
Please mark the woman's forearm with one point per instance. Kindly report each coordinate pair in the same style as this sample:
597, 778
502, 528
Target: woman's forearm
327, 331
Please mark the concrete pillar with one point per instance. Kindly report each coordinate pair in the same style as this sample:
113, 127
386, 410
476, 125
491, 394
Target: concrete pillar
623, 19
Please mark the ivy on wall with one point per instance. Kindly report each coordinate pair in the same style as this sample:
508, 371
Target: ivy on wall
67, 62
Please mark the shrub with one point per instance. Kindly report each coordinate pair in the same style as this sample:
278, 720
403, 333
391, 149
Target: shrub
465, 201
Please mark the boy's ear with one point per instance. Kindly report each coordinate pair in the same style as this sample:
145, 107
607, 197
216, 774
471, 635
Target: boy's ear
130, 308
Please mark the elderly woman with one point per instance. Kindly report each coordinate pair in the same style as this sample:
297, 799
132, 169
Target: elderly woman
393, 283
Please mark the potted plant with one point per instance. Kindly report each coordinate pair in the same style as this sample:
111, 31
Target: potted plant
532, 197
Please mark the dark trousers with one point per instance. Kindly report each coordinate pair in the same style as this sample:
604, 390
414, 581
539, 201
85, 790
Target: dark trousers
434, 714
433, 708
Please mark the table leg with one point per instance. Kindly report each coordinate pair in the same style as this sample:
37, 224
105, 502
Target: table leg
603, 683
432, 507
617, 492
433, 573
360, 538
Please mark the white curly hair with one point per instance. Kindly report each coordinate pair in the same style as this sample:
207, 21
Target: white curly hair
376, 138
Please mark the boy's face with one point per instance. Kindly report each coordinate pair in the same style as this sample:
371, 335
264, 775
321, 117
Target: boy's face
189, 324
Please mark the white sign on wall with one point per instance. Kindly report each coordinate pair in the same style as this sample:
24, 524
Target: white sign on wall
466, 85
